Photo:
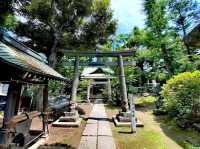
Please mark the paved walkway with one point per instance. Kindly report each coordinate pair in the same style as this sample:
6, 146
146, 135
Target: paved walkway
97, 133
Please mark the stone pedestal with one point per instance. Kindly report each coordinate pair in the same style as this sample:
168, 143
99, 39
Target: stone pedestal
70, 119
124, 116
123, 119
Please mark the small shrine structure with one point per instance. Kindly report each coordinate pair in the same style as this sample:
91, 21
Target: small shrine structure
21, 66
98, 77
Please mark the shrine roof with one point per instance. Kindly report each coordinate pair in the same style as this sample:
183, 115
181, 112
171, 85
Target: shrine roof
17, 55
97, 72
193, 37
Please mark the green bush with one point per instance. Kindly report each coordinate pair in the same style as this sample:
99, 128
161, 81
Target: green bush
182, 95
145, 101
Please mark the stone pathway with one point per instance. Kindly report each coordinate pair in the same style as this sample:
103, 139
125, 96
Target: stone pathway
97, 133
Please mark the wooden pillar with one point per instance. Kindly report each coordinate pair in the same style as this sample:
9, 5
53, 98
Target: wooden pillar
109, 90
122, 84
88, 91
44, 109
13, 95
75, 80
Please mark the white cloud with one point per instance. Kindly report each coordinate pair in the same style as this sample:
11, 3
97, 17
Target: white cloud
129, 13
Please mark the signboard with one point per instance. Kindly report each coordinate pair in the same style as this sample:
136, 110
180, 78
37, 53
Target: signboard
133, 118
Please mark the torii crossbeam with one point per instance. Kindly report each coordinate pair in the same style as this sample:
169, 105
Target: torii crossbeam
125, 53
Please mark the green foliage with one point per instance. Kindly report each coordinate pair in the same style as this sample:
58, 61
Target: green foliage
9, 22
160, 50
190, 146
82, 90
56, 88
7, 18
66, 24
182, 13
145, 101
181, 95
116, 100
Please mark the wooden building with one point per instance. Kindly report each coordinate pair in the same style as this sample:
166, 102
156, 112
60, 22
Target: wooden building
98, 77
21, 66
193, 37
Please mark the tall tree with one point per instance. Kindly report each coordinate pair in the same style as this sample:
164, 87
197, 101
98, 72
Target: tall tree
159, 36
66, 24
183, 14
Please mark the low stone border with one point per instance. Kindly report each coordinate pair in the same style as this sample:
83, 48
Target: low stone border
67, 124
125, 124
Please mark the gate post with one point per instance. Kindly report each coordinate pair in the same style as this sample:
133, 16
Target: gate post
123, 84
109, 90
88, 91
75, 80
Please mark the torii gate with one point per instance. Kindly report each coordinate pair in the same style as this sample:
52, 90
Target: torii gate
118, 54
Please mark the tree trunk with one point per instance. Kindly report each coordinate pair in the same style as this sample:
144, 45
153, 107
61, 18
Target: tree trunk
184, 35
167, 59
186, 45
53, 55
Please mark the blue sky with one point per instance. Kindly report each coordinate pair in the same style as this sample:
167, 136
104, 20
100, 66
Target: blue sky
129, 13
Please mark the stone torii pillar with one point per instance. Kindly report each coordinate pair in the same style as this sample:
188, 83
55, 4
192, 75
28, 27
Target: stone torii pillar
75, 80
88, 91
109, 90
123, 84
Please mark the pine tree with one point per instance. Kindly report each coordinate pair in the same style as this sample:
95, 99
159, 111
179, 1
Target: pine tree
53, 25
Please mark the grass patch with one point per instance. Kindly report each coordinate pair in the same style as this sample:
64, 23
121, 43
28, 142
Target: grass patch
159, 132
144, 138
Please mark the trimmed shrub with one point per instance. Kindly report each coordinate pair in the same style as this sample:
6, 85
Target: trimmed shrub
145, 101
182, 96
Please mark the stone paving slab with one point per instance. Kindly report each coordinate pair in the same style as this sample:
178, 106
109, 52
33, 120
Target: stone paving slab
97, 133
104, 129
90, 130
106, 142
91, 121
88, 142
